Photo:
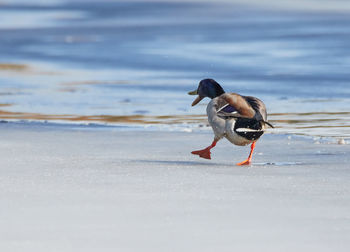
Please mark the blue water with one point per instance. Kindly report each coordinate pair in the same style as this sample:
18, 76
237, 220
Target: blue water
129, 58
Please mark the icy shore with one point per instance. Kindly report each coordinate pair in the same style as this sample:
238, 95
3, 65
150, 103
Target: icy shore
73, 189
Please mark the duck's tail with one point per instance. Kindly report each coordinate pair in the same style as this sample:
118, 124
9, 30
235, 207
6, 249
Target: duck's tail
269, 124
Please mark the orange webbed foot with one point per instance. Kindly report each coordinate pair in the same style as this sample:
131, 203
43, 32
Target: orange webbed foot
205, 153
246, 162
249, 159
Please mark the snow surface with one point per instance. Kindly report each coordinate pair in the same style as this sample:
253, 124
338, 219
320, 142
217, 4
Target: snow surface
76, 189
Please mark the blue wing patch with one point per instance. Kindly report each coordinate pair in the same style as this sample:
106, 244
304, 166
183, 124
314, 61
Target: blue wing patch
228, 109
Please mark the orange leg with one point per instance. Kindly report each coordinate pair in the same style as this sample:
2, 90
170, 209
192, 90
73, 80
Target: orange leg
205, 153
249, 159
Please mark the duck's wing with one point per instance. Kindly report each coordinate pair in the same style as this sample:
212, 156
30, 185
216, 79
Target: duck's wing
228, 110
258, 106
247, 107
260, 109
234, 105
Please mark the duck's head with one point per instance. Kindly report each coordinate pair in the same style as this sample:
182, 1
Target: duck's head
207, 88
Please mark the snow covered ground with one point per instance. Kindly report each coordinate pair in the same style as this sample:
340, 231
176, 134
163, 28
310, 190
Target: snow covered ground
105, 189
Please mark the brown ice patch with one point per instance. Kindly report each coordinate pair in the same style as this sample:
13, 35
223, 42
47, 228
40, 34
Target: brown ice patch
331, 124
311, 118
13, 67
24, 69
316, 124
128, 119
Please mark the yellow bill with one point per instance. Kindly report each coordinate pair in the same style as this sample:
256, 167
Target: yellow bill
198, 99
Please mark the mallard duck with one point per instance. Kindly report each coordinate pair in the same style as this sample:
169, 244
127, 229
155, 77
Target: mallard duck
240, 119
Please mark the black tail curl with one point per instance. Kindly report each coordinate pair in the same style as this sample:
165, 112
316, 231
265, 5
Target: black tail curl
269, 124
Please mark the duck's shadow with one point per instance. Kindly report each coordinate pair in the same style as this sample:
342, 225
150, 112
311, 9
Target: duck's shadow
198, 163
178, 162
